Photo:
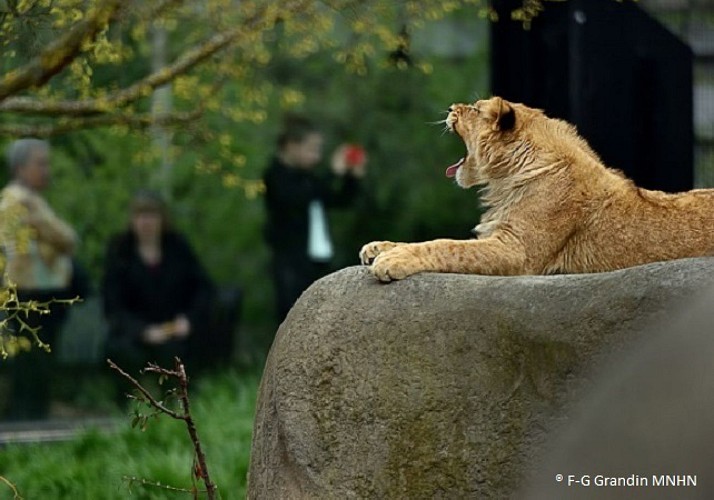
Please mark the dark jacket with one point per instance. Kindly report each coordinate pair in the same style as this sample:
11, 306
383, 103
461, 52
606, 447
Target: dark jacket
136, 295
289, 192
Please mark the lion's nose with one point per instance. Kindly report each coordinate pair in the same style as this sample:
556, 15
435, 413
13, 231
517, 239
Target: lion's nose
451, 109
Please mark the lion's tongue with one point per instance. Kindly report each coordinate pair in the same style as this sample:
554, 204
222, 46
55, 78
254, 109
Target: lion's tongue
451, 171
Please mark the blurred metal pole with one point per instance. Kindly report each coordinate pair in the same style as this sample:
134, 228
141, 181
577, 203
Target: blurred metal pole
161, 106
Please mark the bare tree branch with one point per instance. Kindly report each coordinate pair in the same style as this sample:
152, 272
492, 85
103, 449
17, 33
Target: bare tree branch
201, 470
61, 52
71, 125
67, 124
162, 6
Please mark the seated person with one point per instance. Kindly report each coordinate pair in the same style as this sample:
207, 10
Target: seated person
156, 293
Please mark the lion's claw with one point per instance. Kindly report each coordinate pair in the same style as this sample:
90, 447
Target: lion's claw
370, 251
392, 266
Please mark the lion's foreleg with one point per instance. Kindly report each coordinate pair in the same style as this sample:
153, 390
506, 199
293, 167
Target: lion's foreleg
490, 256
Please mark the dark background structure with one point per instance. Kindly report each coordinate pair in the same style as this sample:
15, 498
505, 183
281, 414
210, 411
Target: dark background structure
612, 70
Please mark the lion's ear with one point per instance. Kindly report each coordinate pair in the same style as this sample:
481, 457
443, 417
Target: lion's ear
505, 116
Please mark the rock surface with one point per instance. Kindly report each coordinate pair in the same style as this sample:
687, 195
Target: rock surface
647, 420
440, 386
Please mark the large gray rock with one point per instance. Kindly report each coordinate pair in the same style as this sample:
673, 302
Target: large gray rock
647, 422
440, 386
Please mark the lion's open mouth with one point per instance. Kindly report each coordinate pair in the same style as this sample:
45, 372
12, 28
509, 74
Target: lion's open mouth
451, 123
451, 171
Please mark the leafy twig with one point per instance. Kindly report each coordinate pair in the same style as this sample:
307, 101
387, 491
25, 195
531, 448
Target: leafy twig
16, 312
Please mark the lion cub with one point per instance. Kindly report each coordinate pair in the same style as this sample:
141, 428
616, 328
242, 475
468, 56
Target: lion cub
553, 207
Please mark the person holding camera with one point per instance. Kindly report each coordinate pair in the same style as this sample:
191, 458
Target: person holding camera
296, 198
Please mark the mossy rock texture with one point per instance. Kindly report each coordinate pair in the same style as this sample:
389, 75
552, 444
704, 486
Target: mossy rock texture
441, 385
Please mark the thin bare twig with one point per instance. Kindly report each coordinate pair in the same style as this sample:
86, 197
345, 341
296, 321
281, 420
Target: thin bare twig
200, 467
153, 401
155, 484
15, 493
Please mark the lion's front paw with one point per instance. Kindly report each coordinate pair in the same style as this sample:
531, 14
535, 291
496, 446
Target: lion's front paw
395, 264
370, 251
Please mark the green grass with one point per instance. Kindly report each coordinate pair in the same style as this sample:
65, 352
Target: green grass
94, 464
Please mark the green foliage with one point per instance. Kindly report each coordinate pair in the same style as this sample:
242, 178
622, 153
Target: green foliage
93, 63
93, 466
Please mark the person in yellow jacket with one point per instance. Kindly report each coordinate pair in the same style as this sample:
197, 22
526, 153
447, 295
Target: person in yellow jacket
37, 251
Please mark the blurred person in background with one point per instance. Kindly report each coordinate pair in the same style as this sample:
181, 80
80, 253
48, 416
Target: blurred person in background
296, 197
37, 251
156, 293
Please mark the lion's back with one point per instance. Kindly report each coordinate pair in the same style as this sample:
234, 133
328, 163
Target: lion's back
639, 226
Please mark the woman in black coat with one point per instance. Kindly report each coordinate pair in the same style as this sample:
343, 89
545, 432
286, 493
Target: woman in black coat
156, 293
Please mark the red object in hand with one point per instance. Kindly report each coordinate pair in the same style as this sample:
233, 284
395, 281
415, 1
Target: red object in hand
355, 155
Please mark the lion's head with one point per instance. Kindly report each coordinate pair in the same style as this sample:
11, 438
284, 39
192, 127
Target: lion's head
503, 139
488, 128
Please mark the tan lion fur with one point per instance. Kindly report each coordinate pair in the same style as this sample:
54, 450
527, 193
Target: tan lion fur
553, 207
